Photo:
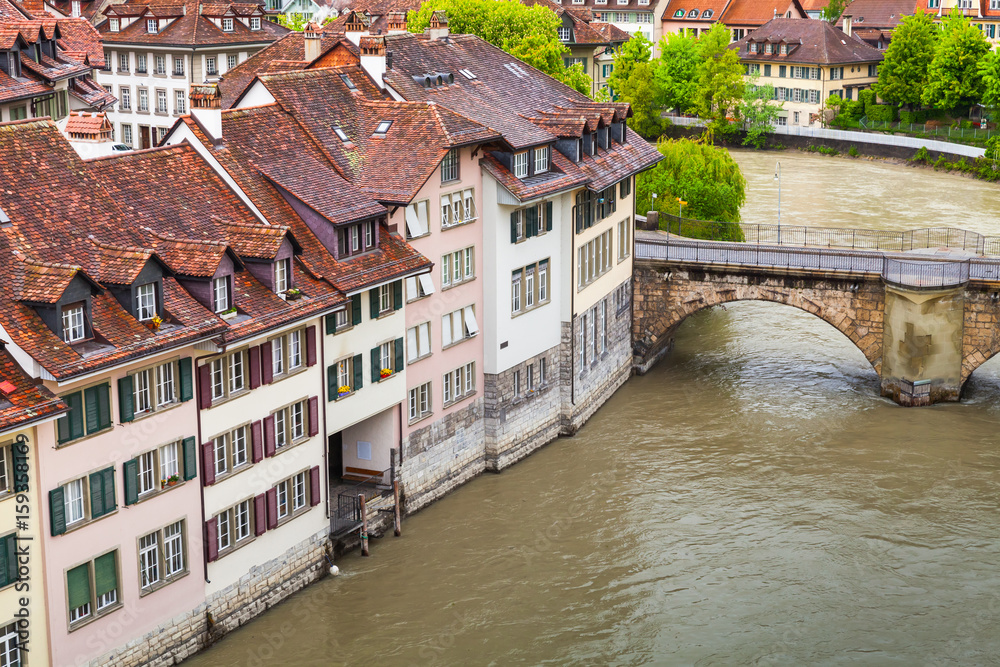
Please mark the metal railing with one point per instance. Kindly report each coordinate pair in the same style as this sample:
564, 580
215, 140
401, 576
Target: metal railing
346, 516
834, 237
912, 273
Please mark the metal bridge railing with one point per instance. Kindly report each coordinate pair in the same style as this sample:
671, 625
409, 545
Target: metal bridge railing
913, 273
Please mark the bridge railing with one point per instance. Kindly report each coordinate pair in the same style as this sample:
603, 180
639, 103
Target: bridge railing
913, 273
833, 237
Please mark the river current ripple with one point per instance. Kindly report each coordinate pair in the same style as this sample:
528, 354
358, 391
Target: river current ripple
751, 500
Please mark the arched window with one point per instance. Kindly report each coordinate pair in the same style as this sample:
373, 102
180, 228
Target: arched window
693, 14
679, 14
707, 14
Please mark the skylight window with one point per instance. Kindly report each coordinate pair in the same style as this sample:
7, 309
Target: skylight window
467, 74
516, 70
383, 128
341, 134
347, 82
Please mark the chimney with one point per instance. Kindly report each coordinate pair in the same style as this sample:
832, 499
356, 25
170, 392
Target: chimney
354, 28
397, 22
373, 58
439, 25
206, 109
847, 24
313, 41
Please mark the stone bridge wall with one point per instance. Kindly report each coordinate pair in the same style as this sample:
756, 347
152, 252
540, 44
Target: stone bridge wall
665, 295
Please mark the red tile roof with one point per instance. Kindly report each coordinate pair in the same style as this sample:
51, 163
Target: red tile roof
191, 27
758, 12
22, 402
810, 41
879, 14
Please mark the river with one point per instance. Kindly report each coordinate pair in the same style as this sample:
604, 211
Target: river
751, 500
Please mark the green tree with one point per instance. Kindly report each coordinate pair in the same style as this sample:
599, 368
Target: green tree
719, 81
989, 68
639, 90
675, 71
528, 33
636, 50
704, 176
902, 75
833, 10
954, 77
758, 111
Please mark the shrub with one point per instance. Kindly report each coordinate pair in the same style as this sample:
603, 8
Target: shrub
921, 155
852, 109
993, 147
914, 117
882, 113
826, 150
853, 152
866, 97
942, 163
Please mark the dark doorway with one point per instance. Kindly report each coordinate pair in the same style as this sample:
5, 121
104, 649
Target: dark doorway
335, 456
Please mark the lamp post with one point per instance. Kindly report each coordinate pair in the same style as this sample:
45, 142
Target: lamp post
680, 205
777, 177
652, 207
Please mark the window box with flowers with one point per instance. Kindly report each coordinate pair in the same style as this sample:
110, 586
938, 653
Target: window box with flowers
293, 294
173, 480
386, 372
154, 323
344, 391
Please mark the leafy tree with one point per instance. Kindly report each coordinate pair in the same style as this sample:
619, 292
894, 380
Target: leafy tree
902, 75
706, 177
719, 82
989, 68
833, 10
675, 71
758, 111
636, 50
639, 90
954, 77
528, 33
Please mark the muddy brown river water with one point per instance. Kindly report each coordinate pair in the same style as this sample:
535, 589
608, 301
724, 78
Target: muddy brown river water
751, 500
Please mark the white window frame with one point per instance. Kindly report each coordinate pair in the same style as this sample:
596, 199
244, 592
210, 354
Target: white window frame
419, 402
418, 342
152, 26
220, 294
520, 164
74, 323
227, 25
541, 159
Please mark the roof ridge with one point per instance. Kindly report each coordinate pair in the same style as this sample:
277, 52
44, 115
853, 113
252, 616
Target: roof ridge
142, 151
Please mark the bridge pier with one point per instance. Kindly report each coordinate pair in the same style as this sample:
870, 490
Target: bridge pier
922, 345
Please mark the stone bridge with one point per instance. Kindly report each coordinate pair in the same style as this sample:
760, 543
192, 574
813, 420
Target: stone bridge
924, 322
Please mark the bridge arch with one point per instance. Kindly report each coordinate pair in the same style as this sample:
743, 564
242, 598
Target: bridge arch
666, 297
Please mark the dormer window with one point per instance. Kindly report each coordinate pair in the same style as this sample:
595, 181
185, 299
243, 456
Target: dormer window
73, 323
281, 276
521, 164
145, 302
355, 239
227, 25
767, 49
75, 8
784, 49
693, 14
753, 47
541, 160
707, 14
152, 26
679, 14
10, 63
113, 25
254, 23
220, 294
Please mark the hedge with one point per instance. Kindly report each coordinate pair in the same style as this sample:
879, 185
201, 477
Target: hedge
914, 117
881, 113
867, 98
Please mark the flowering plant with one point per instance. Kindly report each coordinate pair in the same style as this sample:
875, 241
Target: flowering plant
386, 372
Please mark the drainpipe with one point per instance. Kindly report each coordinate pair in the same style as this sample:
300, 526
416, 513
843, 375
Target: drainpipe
321, 335
572, 307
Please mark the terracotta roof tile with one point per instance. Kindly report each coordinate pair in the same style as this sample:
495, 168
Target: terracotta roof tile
26, 402
810, 41
757, 12
192, 28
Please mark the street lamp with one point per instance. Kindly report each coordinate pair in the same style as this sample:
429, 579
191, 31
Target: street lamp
652, 207
777, 177
680, 204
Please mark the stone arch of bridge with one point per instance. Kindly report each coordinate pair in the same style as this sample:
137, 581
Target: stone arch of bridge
842, 314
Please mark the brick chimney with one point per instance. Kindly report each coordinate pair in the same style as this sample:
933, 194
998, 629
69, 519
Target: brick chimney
373, 58
847, 24
397, 23
313, 37
439, 25
206, 109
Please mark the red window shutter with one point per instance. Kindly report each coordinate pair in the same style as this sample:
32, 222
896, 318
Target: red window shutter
212, 539
314, 487
256, 443
313, 415
269, 435
207, 463
272, 508
204, 386
266, 363
311, 346
259, 515
254, 354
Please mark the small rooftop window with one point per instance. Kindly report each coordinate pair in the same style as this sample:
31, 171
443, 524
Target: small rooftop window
693, 14
227, 25
516, 70
383, 127
347, 82
341, 134
707, 14
152, 26
679, 14
467, 74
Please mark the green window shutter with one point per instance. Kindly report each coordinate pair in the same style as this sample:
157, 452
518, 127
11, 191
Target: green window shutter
376, 362
97, 495
190, 458
78, 586
71, 426
548, 216
110, 501
19, 457
104, 406
8, 560
397, 348
331, 382
130, 471
126, 400
105, 574
513, 227
356, 309
531, 221
57, 511
373, 303
358, 377
397, 295
184, 372
331, 324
